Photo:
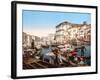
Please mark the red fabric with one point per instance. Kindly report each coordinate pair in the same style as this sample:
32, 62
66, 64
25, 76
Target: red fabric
74, 53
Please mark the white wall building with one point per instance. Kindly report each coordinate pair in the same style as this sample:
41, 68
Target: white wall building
51, 38
67, 31
27, 40
61, 32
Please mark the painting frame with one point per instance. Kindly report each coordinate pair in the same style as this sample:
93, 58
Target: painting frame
14, 39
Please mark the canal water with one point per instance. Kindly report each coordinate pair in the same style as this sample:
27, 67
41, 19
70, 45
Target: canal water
87, 51
45, 50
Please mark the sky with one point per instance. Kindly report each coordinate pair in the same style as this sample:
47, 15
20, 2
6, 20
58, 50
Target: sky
42, 23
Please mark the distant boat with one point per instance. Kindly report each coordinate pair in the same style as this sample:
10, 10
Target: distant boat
45, 46
61, 46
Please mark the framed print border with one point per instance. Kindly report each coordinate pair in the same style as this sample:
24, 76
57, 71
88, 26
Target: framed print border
14, 39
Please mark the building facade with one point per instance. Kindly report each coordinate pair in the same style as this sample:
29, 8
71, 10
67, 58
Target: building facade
65, 32
27, 40
61, 32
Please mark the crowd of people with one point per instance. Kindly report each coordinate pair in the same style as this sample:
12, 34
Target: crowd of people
70, 58
57, 57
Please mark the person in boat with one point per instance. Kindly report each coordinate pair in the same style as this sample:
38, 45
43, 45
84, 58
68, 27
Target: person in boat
59, 59
81, 61
72, 58
55, 51
82, 50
